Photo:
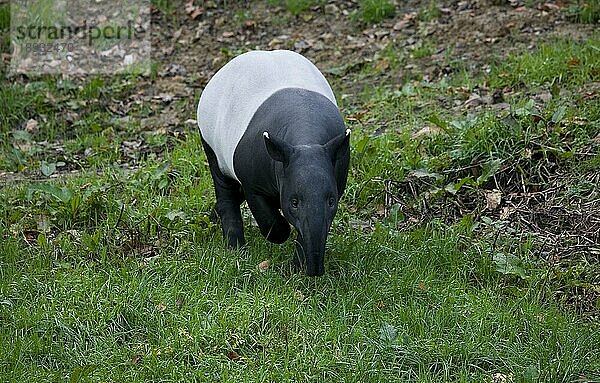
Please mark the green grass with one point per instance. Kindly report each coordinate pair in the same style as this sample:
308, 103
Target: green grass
429, 12
295, 7
585, 11
565, 62
373, 11
4, 28
426, 307
117, 274
166, 7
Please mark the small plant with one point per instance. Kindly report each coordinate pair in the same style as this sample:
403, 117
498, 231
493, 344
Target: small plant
429, 12
373, 11
4, 30
586, 11
295, 7
423, 50
164, 6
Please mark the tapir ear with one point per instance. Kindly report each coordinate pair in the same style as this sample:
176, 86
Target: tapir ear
279, 150
338, 145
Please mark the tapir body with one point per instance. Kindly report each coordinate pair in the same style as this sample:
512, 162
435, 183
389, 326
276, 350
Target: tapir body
273, 136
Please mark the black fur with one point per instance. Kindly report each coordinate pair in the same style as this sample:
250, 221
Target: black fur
304, 157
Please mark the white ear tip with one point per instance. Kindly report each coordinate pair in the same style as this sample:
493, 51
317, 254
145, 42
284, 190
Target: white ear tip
266, 135
347, 132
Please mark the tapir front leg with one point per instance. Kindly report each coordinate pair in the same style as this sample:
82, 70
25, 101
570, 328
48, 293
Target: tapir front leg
229, 198
273, 226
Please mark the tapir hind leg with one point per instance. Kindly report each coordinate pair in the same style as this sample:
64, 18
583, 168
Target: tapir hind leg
229, 198
273, 226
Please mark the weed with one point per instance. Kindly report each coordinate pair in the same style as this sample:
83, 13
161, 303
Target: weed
429, 12
166, 7
423, 49
295, 7
4, 29
373, 11
564, 62
585, 11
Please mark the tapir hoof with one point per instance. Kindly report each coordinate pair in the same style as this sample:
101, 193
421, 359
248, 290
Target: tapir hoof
235, 239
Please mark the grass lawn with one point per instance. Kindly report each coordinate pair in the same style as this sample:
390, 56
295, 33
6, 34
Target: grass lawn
110, 270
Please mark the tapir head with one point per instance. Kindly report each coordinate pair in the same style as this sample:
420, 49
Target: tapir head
309, 193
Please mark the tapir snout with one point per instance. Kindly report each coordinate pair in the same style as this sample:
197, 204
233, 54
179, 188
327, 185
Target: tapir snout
312, 239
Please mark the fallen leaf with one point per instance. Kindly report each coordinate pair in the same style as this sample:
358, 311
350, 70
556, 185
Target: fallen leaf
162, 307
177, 34
264, 265
357, 116
232, 355
493, 199
136, 359
549, 7
197, 12
382, 65
429, 130
190, 7
274, 43
501, 378
400, 25
31, 125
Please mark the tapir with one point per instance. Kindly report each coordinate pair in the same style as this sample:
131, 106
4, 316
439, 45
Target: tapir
274, 137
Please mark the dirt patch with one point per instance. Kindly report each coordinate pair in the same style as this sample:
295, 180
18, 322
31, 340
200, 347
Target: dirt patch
475, 33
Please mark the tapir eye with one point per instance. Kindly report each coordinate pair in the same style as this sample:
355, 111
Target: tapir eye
331, 202
294, 203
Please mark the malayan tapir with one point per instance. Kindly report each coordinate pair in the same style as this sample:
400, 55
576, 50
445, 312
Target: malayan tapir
274, 136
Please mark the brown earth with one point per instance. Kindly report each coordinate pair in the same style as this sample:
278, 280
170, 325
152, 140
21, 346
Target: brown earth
474, 32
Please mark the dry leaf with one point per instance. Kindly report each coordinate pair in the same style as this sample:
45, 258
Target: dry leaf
382, 65
429, 130
401, 25
501, 378
136, 359
264, 265
357, 116
31, 125
232, 355
162, 307
493, 199
196, 13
